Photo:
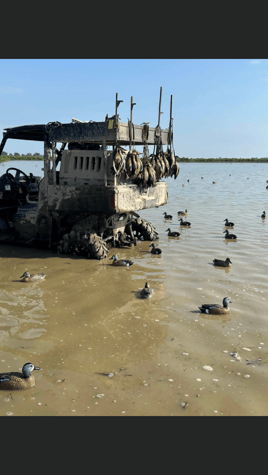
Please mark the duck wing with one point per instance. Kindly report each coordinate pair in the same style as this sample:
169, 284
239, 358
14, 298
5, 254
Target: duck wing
205, 308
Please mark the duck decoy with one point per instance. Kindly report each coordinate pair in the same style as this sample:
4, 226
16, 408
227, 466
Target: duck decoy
188, 181
216, 309
226, 263
214, 182
183, 213
167, 216
27, 277
228, 223
155, 250
146, 292
173, 233
121, 262
16, 380
229, 236
263, 215
185, 223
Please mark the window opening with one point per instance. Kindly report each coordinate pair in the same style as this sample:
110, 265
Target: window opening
81, 162
93, 163
87, 163
75, 163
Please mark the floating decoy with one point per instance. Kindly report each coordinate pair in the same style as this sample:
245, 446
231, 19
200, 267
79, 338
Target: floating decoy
228, 223
267, 187
27, 277
121, 262
226, 263
183, 185
183, 213
229, 236
214, 182
155, 250
216, 309
263, 215
188, 181
184, 223
167, 216
146, 292
16, 380
202, 177
173, 233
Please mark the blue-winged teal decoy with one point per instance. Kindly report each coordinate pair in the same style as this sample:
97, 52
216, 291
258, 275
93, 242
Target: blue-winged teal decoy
27, 277
183, 213
228, 223
226, 263
167, 216
121, 262
184, 223
16, 380
173, 233
263, 215
146, 292
229, 236
155, 250
216, 309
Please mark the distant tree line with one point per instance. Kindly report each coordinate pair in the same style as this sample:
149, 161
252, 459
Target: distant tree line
258, 160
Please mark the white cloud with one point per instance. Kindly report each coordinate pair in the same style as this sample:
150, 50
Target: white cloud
10, 90
255, 61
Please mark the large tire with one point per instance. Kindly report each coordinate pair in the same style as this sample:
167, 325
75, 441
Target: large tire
144, 230
83, 244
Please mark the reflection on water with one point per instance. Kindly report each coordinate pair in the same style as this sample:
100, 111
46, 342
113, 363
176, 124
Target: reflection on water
85, 318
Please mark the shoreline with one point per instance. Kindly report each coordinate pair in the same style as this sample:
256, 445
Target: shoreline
7, 158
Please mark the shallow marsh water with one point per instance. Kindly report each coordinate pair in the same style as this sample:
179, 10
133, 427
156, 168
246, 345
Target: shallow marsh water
86, 319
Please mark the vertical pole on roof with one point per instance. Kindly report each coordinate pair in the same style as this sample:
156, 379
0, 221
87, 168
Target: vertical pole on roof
170, 124
54, 162
132, 104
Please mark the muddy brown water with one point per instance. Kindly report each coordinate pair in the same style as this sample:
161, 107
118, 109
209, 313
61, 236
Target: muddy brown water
85, 318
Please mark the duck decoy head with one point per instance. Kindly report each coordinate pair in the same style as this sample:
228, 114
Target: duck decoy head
168, 230
147, 285
226, 301
25, 274
228, 260
114, 257
152, 245
28, 368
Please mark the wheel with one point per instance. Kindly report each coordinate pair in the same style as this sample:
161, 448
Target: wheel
83, 244
143, 230
16, 179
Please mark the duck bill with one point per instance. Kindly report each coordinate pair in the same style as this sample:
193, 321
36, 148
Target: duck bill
37, 367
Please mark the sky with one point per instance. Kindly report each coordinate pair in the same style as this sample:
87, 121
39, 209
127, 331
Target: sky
220, 106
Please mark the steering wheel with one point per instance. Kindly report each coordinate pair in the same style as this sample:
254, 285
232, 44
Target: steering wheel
16, 179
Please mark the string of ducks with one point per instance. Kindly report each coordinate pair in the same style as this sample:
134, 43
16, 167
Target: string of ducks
16, 380
27, 277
